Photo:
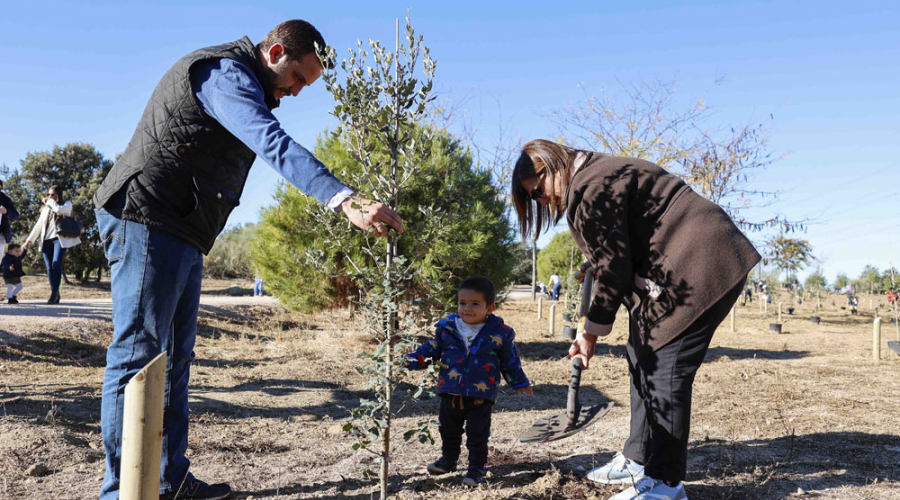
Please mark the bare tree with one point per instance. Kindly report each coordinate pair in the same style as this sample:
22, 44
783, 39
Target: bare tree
716, 161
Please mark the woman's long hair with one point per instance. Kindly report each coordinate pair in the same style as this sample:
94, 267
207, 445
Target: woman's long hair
540, 157
59, 193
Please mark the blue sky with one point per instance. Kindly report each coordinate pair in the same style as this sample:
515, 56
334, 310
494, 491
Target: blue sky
829, 73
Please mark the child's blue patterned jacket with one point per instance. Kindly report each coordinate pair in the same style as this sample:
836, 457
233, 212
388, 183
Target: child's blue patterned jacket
473, 371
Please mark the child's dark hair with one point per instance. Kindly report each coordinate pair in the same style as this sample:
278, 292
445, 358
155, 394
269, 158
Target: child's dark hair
481, 285
13, 246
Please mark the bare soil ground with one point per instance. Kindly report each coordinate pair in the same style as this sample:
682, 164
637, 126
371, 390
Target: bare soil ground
805, 414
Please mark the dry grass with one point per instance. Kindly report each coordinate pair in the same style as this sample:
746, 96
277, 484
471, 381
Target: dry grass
773, 414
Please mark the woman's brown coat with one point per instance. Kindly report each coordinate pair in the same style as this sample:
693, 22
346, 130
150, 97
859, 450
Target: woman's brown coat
630, 216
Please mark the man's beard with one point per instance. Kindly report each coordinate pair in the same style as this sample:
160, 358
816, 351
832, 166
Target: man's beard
269, 78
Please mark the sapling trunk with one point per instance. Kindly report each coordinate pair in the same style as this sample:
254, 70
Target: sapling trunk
388, 396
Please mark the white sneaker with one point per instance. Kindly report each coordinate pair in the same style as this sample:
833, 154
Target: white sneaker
652, 489
619, 470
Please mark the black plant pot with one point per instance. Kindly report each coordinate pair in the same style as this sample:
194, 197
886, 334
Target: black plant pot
774, 327
815, 319
568, 333
894, 345
790, 310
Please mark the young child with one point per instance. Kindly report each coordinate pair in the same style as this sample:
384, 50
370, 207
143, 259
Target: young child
475, 348
12, 272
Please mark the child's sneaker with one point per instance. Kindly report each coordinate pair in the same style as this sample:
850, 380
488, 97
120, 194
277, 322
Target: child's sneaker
441, 466
652, 489
619, 470
474, 476
13, 300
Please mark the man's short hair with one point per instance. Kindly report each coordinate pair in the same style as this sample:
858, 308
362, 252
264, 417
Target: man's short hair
481, 285
298, 38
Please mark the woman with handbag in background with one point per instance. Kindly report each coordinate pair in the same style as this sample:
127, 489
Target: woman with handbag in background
57, 231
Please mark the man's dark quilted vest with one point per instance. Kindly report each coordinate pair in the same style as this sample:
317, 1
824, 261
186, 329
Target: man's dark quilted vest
183, 172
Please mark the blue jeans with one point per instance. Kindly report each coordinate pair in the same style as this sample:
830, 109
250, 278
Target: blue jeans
53, 259
258, 287
555, 294
156, 294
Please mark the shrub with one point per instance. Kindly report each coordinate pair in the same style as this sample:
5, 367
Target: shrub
476, 238
230, 256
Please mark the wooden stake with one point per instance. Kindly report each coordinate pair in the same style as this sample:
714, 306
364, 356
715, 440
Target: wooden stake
876, 340
142, 432
732, 318
553, 319
779, 312
540, 306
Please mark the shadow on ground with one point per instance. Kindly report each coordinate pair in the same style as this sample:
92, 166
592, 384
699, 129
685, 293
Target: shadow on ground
46, 347
232, 291
767, 469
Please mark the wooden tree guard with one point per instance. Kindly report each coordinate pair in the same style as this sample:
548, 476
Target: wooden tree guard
540, 306
553, 319
732, 318
142, 432
876, 340
779, 312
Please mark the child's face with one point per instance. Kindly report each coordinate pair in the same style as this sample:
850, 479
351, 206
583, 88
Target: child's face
472, 307
16, 251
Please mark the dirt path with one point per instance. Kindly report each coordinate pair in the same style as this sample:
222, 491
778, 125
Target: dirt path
100, 308
12, 316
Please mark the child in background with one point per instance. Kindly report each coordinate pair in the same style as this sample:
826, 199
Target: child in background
12, 272
475, 348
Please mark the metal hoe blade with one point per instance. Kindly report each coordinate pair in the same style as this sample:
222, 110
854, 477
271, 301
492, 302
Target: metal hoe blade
557, 427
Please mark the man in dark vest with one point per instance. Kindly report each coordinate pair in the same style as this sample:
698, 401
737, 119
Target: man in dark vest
169, 195
8, 215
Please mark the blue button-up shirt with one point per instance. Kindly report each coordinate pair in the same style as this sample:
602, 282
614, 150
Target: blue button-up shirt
231, 93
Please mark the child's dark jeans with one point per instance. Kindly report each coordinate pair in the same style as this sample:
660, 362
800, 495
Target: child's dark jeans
477, 414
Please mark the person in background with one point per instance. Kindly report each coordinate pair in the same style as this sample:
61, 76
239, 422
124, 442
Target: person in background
8, 215
554, 285
53, 245
13, 272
